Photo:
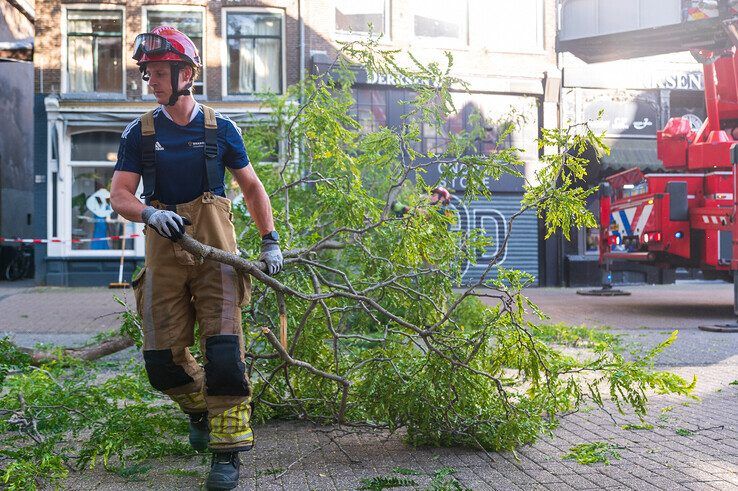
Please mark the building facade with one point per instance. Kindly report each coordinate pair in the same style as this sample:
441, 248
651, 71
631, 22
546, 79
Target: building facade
17, 214
628, 101
87, 88
508, 58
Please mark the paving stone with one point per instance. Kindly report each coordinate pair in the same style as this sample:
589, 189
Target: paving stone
651, 459
637, 484
543, 476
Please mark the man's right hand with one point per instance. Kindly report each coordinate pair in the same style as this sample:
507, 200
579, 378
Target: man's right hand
166, 223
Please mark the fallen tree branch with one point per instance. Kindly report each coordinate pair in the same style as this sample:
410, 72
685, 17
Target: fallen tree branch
307, 366
87, 353
118, 343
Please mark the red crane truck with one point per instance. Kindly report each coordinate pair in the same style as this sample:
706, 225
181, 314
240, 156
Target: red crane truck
686, 216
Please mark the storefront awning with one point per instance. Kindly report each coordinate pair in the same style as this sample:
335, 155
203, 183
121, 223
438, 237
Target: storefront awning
99, 119
626, 153
119, 120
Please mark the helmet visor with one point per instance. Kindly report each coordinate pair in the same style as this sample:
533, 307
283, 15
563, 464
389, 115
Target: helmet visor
150, 44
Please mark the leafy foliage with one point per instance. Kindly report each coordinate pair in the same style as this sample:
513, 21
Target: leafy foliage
577, 336
636, 427
28, 464
444, 480
591, 453
385, 482
68, 412
378, 335
130, 323
378, 311
441, 480
11, 358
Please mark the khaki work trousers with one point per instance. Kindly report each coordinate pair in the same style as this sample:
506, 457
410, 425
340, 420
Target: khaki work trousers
174, 291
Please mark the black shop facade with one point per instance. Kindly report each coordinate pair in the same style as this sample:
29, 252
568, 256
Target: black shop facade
379, 102
629, 118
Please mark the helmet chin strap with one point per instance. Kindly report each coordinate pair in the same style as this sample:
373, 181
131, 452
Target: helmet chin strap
175, 67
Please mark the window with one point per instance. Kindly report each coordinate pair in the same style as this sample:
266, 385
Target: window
94, 51
355, 17
190, 23
93, 156
95, 146
513, 30
370, 108
592, 241
589, 238
497, 134
468, 119
436, 19
254, 52
435, 141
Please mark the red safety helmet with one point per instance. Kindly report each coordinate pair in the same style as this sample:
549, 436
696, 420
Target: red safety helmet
165, 43
443, 194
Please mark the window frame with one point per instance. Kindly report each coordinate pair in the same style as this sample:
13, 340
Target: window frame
593, 206
225, 11
64, 177
145, 9
64, 82
462, 42
370, 87
583, 242
348, 35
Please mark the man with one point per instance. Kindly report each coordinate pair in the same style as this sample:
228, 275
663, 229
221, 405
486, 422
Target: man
181, 150
439, 197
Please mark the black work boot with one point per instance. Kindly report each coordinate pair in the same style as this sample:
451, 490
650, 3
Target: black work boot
199, 431
223, 471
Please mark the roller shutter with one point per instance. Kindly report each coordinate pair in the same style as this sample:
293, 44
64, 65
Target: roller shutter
493, 217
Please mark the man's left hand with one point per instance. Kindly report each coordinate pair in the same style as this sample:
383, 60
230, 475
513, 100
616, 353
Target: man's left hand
272, 256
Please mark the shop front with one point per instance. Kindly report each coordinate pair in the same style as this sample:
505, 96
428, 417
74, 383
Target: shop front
379, 102
629, 120
496, 216
86, 238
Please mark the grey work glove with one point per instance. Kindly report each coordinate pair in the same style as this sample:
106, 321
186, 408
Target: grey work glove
166, 223
272, 256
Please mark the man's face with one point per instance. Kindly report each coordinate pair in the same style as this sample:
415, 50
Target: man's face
160, 79
438, 198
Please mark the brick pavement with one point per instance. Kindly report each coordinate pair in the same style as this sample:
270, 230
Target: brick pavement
28, 309
705, 459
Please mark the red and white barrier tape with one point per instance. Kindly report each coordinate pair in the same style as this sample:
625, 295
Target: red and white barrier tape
73, 241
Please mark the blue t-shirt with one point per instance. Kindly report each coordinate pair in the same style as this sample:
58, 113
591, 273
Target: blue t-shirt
180, 154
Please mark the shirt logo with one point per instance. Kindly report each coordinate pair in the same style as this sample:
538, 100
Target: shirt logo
157, 146
195, 144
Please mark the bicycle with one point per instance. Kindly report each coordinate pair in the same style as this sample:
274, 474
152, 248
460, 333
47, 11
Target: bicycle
21, 263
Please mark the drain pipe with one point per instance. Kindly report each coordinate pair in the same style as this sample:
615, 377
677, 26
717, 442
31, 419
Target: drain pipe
301, 24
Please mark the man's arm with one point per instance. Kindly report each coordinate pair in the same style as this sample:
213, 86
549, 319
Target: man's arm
123, 195
260, 208
256, 198
123, 199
